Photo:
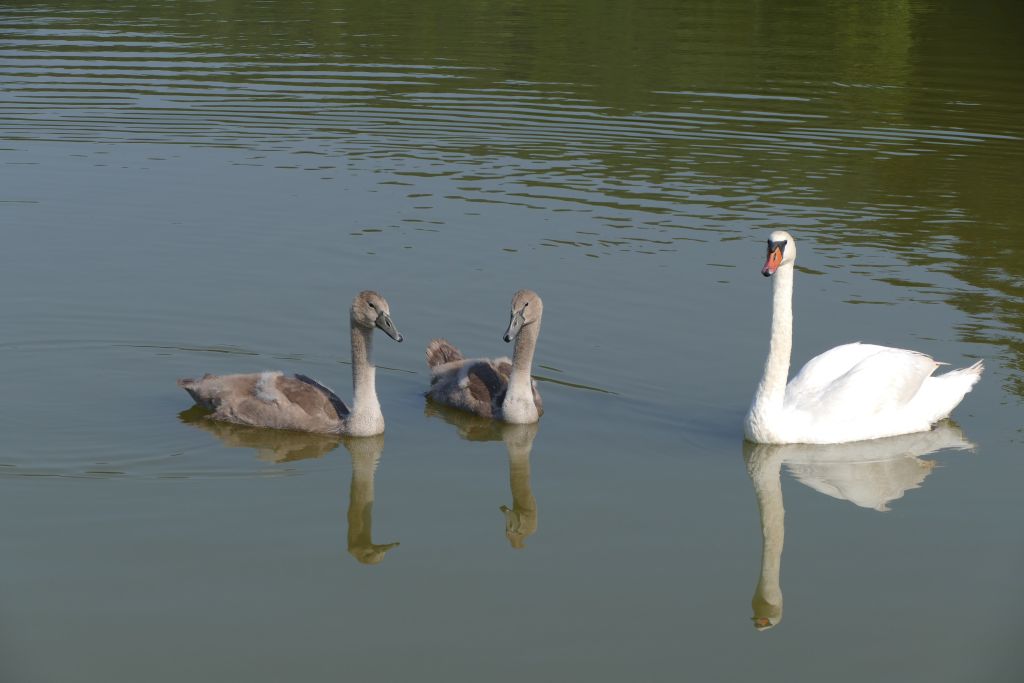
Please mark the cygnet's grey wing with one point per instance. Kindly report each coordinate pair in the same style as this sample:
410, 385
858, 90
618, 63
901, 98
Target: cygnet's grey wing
341, 409
269, 399
477, 386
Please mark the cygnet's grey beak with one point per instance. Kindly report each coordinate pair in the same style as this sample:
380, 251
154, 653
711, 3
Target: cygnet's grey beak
384, 323
514, 325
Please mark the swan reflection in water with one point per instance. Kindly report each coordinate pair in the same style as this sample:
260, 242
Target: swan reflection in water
521, 518
278, 445
869, 474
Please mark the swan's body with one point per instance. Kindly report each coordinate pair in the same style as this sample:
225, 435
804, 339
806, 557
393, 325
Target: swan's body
278, 401
496, 388
850, 393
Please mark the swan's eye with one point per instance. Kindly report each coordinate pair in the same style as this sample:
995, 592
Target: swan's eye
371, 305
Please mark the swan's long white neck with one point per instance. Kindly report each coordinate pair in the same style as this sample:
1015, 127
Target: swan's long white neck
365, 406
519, 405
772, 389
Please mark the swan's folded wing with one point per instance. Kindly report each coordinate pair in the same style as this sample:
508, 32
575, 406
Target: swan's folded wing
824, 369
885, 380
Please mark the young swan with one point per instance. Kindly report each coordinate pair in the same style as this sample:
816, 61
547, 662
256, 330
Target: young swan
497, 388
271, 399
853, 392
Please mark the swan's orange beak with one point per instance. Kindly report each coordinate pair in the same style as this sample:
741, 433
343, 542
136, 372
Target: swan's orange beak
774, 259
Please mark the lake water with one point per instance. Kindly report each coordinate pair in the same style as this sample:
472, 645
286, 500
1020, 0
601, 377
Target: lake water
191, 187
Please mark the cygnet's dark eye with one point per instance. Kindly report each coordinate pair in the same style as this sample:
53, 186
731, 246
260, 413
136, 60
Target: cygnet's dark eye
371, 305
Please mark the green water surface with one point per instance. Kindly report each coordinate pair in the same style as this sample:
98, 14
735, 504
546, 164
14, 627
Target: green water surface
191, 187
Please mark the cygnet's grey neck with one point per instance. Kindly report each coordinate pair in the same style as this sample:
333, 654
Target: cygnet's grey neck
522, 359
364, 389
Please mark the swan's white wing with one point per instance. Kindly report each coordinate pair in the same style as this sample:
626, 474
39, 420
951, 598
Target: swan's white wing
884, 380
824, 369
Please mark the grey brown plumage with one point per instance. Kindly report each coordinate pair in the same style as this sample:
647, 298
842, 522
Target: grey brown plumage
269, 399
298, 402
441, 351
495, 388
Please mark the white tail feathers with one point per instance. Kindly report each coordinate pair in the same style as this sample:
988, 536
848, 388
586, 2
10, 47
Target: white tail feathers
945, 392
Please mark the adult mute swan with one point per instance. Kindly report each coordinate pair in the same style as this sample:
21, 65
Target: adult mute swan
271, 399
494, 388
850, 393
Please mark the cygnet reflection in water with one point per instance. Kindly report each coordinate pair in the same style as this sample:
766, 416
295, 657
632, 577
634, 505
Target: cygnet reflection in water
869, 474
271, 445
521, 518
365, 452
278, 445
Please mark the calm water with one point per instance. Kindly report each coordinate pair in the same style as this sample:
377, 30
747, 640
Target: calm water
203, 186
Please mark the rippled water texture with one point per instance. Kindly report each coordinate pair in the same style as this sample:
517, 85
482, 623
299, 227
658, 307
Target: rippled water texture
203, 186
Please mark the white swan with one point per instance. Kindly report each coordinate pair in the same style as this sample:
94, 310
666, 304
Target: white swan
850, 393
496, 388
271, 399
